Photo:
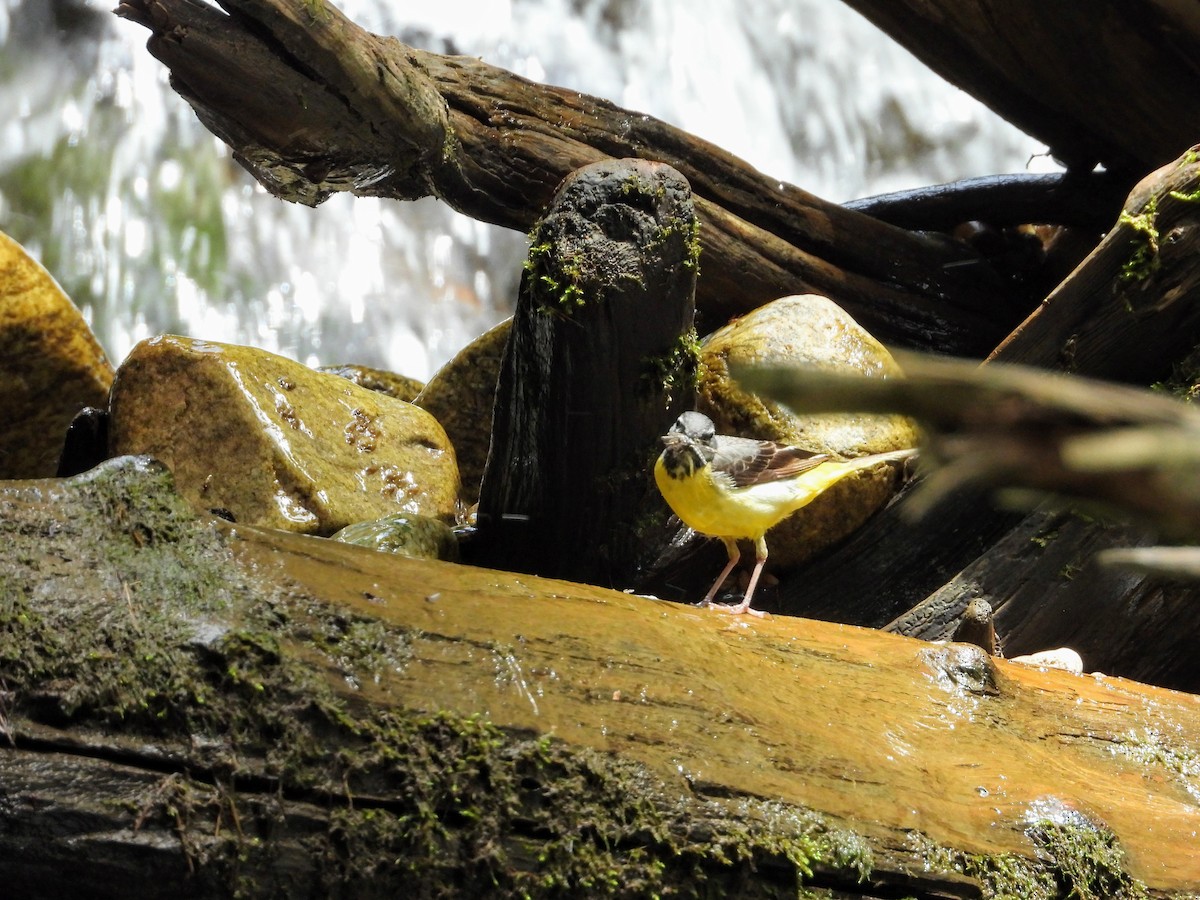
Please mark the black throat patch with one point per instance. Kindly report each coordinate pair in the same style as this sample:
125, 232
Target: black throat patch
682, 461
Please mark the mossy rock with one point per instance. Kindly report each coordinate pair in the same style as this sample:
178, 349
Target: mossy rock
806, 331
271, 442
51, 365
414, 537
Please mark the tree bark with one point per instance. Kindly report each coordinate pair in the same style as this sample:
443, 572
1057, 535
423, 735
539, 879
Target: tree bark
303, 717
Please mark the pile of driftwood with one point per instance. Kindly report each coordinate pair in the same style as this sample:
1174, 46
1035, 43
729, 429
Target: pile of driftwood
1101, 287
1092, 273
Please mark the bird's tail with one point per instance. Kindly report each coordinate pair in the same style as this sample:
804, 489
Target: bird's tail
815, 481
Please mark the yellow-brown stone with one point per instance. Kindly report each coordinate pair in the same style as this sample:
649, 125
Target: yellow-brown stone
275, 443
51, 365
394, 385
806, 331
460, 396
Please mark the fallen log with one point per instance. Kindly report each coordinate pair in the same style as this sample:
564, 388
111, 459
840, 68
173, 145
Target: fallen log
303, 717
311, 104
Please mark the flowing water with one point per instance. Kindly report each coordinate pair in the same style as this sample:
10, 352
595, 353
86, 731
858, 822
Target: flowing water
140, 213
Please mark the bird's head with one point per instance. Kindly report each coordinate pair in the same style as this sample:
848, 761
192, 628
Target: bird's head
688, 446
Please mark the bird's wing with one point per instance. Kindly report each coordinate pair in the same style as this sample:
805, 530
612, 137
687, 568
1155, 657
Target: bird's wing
746, 462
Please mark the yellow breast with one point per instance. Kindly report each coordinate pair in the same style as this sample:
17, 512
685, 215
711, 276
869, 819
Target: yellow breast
710, 505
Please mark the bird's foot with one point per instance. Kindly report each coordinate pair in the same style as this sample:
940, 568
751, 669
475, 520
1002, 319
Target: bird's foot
734, 609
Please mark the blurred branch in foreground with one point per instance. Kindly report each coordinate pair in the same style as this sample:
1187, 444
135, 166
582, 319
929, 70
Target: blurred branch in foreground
1005, 427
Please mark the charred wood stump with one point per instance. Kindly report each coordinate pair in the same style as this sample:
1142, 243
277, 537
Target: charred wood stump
600, 359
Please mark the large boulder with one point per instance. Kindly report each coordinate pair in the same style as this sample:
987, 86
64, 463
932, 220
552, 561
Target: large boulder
806, 331
271, 442
51, 365
461, 396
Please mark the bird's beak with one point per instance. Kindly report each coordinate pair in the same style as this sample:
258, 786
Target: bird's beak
673, 439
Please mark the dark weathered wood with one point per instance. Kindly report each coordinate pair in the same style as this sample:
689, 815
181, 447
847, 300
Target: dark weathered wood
911, 556
1113, 83
1132, 308
1090, 200
601, 357
312, 104
1048, 590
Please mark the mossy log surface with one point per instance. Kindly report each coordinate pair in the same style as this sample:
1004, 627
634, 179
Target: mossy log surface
193, 708
312, 104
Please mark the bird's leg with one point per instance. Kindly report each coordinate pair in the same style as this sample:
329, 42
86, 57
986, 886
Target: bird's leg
731, 548
760, 560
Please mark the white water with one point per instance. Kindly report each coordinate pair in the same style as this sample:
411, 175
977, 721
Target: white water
143, 217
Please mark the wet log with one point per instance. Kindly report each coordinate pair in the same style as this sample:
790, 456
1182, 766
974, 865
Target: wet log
602, 354
269, 714
311, 104
1116, 85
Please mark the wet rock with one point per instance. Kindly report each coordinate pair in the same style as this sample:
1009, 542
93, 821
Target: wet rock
460, 396
399, 386
275, 443
416, 537
812, 331
1062, 658
51, 365
978, 626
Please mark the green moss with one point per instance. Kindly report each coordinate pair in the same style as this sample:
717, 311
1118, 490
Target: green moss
119, 667
1010, 877
1184, 380
636, 185
316, 10
676, 373
557, 283
1144, 260
1073, 858
1086, 859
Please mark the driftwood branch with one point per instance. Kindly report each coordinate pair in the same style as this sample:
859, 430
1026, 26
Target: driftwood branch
311, 104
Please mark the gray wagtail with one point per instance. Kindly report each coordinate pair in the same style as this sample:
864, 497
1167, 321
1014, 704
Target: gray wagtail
731, 487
